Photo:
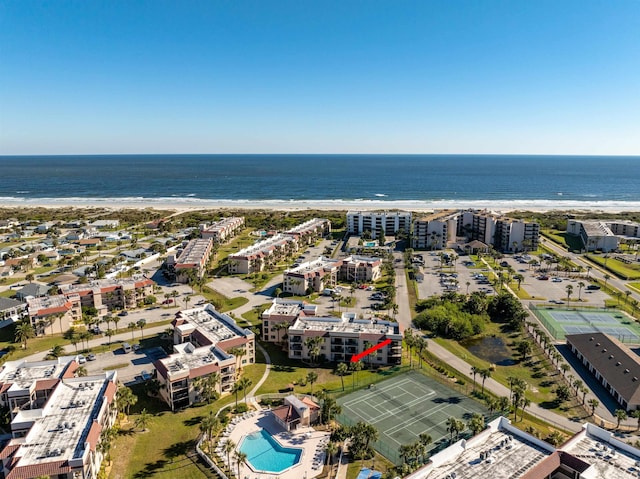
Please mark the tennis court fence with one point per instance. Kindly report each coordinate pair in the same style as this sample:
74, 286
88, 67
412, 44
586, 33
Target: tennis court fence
560, 333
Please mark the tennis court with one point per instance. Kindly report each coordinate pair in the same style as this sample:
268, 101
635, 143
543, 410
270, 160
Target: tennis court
403, 407
560, 322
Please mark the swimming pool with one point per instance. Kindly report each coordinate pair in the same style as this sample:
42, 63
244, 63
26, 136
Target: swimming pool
265, 454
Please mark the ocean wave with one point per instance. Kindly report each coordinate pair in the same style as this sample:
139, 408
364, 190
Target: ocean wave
169, 202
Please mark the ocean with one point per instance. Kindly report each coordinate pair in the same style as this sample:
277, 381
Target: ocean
392, 181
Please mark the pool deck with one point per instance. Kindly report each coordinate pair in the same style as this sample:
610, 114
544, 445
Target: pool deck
311, 442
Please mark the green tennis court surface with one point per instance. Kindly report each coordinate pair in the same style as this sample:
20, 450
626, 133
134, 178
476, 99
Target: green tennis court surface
403, 407
560, 322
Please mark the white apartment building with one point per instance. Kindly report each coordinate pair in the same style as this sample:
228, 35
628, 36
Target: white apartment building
323, 272
221, 231
603, 235
204, 340
378, 222
306, 233
344, 337
57, 435
193, 257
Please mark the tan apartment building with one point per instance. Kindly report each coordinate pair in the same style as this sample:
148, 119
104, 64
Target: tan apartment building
111, 294
204, 343
49, 312
378, 222
60, 438
341, 338
191, 259
308, 232
281, 314
223, 230
326, 272
436, 230
262, 254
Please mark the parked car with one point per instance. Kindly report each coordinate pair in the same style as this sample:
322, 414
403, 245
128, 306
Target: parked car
124, 313
81, 359
167, 301
557, 280
593, 287
126, 347
91, 357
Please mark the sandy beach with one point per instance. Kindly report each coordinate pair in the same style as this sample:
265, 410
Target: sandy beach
193, 204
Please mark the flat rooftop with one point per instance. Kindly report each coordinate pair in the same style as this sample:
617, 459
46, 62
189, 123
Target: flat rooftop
187, 357
346, 324
264, 245
597, 228
23, 373
321, 263
194, 251
103, 283
214, 325
499, 452
47, 302
60, 429
284, 308
608, 456
308, 225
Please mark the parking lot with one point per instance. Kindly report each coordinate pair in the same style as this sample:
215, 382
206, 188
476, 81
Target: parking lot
136, 362
554, 288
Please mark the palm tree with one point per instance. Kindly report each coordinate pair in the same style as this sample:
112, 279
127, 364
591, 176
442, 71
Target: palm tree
244, 383
228, 447
341, 370
209, 425
454, 427
143, 420
621, 415
425, 439
24, 331
519, 278
636, 415
475, 370
81, 372
241, 458
569, 289
593, 404
606, 277
484, 374
56, 351
235, 390
355, 367
580, 286
331, 449
141, 323
476, 423
524, 403
131, 327
564, 367
312, 377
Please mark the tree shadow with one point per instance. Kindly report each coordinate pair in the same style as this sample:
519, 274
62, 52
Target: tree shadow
194, 421
151, 468
178, 449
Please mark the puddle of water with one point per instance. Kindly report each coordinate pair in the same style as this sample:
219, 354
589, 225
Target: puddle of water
492, 349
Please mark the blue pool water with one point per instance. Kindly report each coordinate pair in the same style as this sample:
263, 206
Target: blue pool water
265, 454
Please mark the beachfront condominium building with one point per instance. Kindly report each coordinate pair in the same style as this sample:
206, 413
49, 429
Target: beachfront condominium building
281, 314
435, 231
191, 260
338, 339
59, 311
56, 430
111, 294
612, 363
223, 230
504, 234
267, 253
323, 273
502, 451
206, 343
377, 223
604, 235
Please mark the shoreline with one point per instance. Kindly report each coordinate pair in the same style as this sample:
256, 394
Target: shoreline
182, 204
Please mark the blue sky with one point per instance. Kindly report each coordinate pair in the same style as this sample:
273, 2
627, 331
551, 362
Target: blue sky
235, 76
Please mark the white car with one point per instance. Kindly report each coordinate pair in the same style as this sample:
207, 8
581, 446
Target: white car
81, 359
557, 280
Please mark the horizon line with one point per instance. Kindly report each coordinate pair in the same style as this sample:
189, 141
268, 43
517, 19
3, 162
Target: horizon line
2, 155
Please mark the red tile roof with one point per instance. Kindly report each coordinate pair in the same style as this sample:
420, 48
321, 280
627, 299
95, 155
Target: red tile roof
46, 384
110, 392
94, 435
45, 469
9, 450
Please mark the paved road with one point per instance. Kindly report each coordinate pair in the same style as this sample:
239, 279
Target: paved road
404, 318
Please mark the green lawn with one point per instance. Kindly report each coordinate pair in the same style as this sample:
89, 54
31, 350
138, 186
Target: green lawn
616, 267
221, 301
635, 285
538, 372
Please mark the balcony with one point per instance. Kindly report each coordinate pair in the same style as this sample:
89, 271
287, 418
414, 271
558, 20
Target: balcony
296, 347
352, 350
336, 341
337, 349
296, 339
